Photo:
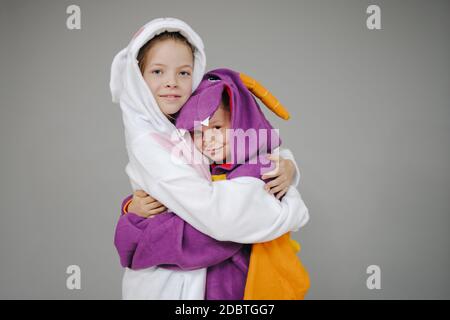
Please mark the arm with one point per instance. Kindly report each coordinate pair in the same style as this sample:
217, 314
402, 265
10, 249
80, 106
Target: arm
167, 240
238, 210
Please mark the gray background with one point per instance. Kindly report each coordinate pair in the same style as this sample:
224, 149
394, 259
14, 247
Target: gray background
369, 129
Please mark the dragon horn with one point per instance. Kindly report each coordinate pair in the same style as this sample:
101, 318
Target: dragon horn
265, 96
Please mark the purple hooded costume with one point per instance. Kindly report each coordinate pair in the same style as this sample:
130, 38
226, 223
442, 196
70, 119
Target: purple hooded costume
168, 241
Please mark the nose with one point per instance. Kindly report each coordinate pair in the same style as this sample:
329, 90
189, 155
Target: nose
171, 82
211, 137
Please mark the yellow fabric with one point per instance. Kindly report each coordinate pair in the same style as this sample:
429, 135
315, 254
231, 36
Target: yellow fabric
217, 177
275, 272
295, 245
265, 96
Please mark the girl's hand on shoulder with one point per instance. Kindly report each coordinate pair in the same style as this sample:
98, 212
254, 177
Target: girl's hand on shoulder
144, 205
282, 176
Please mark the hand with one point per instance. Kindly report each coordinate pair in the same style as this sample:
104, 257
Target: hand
282, 175
145, 205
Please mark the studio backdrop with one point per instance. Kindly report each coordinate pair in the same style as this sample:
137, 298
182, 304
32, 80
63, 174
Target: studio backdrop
367, 85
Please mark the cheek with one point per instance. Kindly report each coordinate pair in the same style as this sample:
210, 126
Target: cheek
152, 85
186, 93
187, 86
225, 136
184, 99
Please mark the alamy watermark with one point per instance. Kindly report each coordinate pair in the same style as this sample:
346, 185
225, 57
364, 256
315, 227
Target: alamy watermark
236, 146
374, 280
73, 281
73, 21
373, 21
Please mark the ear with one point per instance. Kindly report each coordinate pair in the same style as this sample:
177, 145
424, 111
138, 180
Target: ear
265, 96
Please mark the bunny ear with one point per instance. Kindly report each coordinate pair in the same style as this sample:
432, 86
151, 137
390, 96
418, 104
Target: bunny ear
265, 96
117, 69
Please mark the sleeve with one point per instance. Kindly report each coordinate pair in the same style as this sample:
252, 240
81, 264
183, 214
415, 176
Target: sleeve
237, 210
127, 236
287, 154
174, 242
166, 240
125, 203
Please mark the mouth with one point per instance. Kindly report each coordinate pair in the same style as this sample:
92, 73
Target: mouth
170, 97
214, 151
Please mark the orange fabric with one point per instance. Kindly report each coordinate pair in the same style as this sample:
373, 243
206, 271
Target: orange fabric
265, 96
125, 207
295, 245
275, 272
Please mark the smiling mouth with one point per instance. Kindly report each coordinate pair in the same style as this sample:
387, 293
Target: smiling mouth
213, 151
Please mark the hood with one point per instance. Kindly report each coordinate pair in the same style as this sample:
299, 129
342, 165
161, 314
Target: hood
140, 111
245, 113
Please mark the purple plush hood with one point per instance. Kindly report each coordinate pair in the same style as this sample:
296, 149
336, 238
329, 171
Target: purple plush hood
245, 113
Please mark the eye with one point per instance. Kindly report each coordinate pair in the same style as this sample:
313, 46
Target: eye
185, 73
213, 79
218, 127
157, 71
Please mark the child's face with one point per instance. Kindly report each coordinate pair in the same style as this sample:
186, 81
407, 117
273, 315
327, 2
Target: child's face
212, 140
168, 74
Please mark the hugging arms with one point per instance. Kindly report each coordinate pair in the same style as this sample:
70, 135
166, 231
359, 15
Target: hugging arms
145, 238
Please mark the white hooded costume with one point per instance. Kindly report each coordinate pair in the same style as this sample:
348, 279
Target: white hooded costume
237, 210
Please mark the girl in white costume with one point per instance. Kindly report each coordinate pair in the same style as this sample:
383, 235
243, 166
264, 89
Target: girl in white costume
238, 210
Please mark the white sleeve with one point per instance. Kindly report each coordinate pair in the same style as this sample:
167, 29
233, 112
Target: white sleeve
287, 154
237, 210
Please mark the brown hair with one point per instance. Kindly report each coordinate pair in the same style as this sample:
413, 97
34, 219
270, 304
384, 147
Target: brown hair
226, 100
166, 35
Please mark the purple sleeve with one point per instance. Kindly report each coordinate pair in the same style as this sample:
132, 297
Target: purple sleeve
167, 240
